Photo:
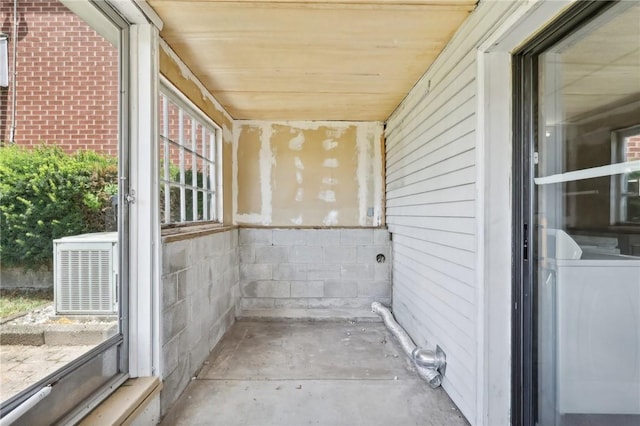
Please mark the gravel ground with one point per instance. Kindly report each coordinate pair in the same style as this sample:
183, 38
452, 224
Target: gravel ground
47, 315
40, 315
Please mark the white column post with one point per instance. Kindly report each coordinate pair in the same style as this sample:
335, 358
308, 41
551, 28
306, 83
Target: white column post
145, 258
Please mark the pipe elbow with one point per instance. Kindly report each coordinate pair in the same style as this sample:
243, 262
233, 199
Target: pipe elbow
428, 358
432, 377
376, 308
430, 364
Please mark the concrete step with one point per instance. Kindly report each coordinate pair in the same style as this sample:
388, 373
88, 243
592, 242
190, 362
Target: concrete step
336, 314
56, 334
25, 335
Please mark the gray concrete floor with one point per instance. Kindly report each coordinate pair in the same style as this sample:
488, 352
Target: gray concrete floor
310, 373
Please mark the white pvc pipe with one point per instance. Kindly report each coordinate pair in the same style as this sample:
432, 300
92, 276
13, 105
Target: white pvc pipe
14, 81
432, 376
21, 409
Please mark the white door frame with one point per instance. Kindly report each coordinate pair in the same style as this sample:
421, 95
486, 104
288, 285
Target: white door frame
494, 207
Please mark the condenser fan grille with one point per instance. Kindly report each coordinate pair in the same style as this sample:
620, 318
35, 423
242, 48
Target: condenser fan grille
85, 278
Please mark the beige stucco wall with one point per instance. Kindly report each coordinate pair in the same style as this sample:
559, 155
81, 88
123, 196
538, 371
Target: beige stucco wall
183, 80
308, 173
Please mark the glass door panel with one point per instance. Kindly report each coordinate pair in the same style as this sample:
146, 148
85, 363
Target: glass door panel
586, 275
62, 158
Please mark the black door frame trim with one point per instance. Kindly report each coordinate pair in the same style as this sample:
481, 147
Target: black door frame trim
525, 113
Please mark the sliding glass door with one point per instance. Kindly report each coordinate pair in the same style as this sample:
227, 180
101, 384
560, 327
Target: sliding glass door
64, 215
578, 271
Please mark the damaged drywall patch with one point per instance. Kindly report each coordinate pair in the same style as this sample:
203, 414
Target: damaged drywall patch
254, 162
328, 196
227, 135
337, 132
296, 143
369, 174
247, 145
267, 159
329, 181
249, 218
329, 144
309, 173
331, 219
331, 163
378, 175
234, 163
361, 173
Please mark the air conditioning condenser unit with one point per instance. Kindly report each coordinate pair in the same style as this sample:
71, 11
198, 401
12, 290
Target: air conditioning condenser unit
86, 274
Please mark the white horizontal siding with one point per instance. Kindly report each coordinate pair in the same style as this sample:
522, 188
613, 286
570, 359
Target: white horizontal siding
431, 205
437, 148
438, 274
444, 209
457, 154
447, 179
444, 117
445, 195
457, 162
418, 243
458, 359
441, 239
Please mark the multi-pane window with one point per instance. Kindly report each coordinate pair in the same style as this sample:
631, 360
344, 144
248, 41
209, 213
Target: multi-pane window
189, 153
626, 185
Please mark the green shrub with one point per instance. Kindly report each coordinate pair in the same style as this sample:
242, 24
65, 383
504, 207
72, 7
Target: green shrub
46, 194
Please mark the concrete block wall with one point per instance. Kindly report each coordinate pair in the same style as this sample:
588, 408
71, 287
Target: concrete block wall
201, 294
314, 268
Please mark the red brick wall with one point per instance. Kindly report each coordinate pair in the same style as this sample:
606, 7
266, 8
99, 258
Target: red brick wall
633, 148
174, 134
67, 85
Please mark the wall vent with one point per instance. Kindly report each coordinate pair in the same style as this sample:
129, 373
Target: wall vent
86, 274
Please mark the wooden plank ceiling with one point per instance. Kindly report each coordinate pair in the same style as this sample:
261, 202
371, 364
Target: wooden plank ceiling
309, 60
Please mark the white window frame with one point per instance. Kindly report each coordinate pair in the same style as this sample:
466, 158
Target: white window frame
210, 155
619, 183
